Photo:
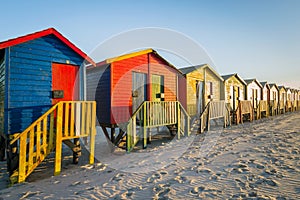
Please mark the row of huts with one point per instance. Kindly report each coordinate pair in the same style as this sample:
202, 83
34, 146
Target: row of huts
134, 93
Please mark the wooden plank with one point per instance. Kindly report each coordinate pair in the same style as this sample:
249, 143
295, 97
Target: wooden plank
83, 118
38, 141
93, 133
77, 119
58, 143
72, 124
66, 125
44, 132
22, 159
51, 133
89, 118
31, 146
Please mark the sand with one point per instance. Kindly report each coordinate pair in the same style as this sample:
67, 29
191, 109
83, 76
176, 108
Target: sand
258, 160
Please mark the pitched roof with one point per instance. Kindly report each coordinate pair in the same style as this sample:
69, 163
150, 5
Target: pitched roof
49, 31
281, 86
248, 81
187, 70
225, 77
273, 85
134, 54
265, 83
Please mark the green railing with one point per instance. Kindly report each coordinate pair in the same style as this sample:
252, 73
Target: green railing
154, 114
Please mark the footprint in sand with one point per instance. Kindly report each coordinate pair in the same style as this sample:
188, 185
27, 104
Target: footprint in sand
118, 177
203, 170
180, 179
75, 183
197, 190
240, 184
162, 191
154, 178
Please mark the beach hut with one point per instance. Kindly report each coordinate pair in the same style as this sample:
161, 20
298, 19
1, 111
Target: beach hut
298, 99
204, 86
282, 99
138, 89
234, 91
274, 99
265, 99
289, 100
42, 75
294, 99
253, 94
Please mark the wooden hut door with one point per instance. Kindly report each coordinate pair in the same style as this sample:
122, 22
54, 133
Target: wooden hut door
200, 97
64, 86
139, 90
157, 88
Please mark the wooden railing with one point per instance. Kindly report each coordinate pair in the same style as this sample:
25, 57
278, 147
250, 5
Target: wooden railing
244, 107
154, 114
298, 105
214, 110
63, 121
274, 107
288, 105
295, 105
263, 107
281, 106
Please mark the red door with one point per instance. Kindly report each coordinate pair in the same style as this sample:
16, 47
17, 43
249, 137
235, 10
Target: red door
64, 79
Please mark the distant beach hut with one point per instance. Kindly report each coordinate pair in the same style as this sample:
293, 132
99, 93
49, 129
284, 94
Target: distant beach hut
298, 99
39, 73
264, 104
282, 99
253, 94
234, 92
289, 100
203, 85
294, 99
274, 99
134, 93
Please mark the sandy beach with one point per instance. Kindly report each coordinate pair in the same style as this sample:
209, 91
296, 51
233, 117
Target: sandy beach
259, 160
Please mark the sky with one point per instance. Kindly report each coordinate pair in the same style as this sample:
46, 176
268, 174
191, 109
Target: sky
254, 38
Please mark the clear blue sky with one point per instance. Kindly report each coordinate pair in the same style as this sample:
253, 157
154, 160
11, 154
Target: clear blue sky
253, 38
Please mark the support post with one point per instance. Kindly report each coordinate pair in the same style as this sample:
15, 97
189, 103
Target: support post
58, 144
178, 120
144, 128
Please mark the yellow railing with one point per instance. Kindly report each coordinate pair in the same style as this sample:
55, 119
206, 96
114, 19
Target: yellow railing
65, 120
263, 106
288, 105
244, 107
154, 114
214, 110
274, 107
295, 105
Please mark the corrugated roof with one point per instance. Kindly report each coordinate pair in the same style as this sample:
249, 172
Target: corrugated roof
187, 70
248, 81
137, 53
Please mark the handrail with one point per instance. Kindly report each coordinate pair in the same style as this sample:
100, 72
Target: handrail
33, 124
65, 120
153, 114
214, 110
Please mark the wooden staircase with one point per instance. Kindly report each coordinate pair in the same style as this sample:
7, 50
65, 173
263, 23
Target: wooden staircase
63, 122
151, 114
